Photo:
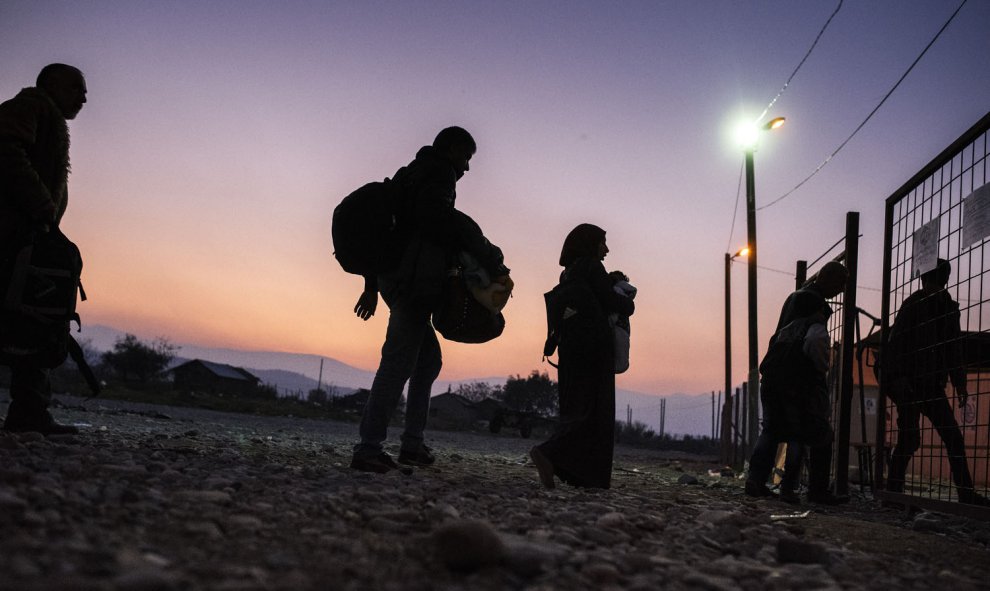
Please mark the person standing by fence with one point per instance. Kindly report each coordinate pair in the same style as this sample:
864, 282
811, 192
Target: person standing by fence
921, 356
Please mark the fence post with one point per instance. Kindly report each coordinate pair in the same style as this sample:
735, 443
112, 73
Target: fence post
849, 319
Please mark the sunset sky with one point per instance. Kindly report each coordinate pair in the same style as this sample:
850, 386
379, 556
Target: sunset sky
218, 137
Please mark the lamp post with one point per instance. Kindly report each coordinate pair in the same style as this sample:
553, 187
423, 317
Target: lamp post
726, 426
754, 372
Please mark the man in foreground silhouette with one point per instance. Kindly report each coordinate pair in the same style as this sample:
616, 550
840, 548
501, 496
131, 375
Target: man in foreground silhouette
411, 352
34, 171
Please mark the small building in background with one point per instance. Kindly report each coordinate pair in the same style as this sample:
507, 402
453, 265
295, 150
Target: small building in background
352, 402
452, 411
199, 375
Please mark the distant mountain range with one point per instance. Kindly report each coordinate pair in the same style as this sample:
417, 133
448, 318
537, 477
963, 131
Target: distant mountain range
295, 373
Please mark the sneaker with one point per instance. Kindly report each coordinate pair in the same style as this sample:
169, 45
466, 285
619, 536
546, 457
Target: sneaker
423, 456
379, 464
543, 466
827, 498
757, 489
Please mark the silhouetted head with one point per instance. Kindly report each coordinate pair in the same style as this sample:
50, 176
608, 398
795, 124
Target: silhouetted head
457, 145
586, 240
66, 87
937, 278
831, 279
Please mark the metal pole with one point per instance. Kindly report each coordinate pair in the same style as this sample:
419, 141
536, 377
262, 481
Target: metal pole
754, 363
800, 274
728, 326
849, 318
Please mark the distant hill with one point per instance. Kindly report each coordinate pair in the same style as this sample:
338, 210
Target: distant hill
298, 372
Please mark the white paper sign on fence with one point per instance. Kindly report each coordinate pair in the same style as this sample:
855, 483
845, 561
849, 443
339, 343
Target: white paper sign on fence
924, 247
976, 216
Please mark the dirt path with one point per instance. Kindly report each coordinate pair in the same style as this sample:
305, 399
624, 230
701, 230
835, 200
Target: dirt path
149, 498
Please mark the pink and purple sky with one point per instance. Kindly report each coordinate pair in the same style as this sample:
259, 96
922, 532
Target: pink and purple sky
219, 136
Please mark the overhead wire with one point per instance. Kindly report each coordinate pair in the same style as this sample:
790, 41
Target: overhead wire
873, 112
735, 210
801, 63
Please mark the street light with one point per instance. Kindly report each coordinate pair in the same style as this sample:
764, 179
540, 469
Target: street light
726, 427
752, 139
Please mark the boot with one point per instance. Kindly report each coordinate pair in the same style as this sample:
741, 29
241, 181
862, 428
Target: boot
23, 418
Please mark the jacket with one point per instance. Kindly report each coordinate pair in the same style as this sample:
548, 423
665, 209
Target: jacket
924, 343
34, 164
437, 230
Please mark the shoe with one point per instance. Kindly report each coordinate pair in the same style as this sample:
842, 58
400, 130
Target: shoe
972, 498
543, 466
379, 464
421, 457
757, 489
44, 423
827, 498
789, 496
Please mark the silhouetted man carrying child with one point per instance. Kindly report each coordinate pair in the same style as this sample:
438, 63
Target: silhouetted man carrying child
411, 351
794, 393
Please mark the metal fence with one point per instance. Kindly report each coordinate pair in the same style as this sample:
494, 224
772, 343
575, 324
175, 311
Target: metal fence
932, 451
842, 329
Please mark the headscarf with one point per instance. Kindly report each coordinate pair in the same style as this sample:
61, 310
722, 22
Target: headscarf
583, 241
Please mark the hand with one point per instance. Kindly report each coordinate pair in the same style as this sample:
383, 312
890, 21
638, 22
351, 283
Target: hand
366, 305
963, 395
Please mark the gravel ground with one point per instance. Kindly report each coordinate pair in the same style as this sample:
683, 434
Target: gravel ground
164, 498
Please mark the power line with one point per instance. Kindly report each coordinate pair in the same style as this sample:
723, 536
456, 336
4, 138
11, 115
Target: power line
870, 116
735, 210
810, 49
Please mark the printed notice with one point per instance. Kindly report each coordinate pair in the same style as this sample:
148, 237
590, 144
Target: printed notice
925, 249
976, 216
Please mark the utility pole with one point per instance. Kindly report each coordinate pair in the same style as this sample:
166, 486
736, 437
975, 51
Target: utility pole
319, 382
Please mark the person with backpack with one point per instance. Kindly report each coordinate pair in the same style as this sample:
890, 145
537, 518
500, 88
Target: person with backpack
34, 170
579, 452
921, 356
794, 394
434, 233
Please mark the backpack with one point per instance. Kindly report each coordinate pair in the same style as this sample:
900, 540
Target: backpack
366, 233
785, 363
39, 286
572, 308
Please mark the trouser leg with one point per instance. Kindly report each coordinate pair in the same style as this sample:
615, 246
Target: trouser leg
428, 365
30, 396
793, 462
941, 416
764, 452
407, 325
908, 442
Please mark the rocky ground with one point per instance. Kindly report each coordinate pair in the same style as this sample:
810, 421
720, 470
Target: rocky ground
163, 498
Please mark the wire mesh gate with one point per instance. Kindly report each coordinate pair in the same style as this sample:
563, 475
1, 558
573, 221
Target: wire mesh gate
933, 450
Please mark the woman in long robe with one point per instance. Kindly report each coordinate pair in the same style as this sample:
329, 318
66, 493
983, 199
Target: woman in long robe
580, 450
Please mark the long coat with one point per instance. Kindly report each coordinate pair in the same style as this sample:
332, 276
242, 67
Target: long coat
581, 448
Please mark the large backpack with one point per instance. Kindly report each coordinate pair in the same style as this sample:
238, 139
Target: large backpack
785, 364
366, 230
39, 287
